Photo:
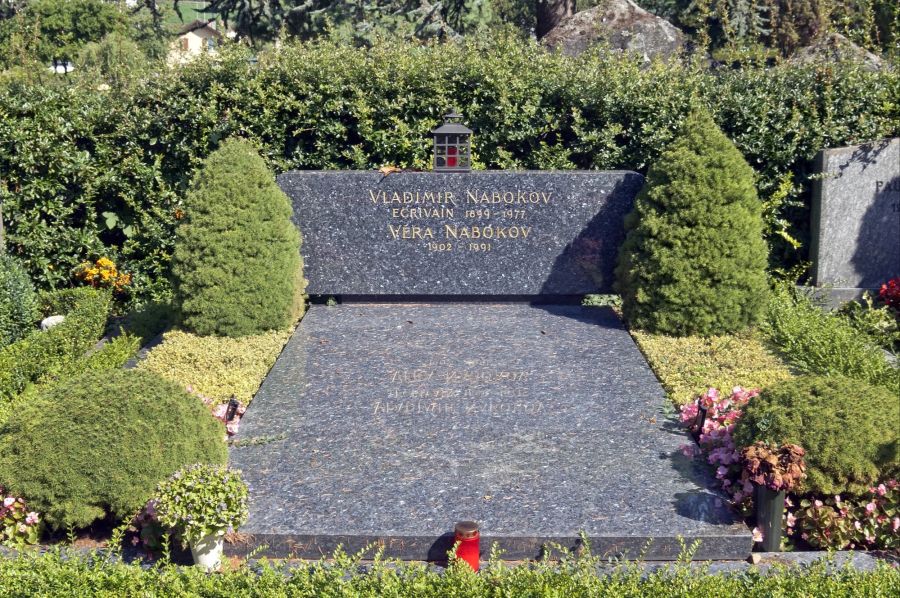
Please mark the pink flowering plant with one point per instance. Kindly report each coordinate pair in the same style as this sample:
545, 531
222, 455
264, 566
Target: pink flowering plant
18, 525
715, 441
868, 521
200, 500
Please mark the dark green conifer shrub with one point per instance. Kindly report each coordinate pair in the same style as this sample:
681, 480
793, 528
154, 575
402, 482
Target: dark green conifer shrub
237, 266
18, 301
101, 443
694, 258
847, 427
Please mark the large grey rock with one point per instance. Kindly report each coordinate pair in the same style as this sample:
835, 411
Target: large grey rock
623, 25
479, 233
51, 321
856, 217
387, 423
834, 47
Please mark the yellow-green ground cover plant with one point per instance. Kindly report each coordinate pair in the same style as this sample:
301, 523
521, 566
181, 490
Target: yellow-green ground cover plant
689, 365
214, 366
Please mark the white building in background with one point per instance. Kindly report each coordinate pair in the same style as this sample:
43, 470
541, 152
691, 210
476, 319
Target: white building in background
195, 38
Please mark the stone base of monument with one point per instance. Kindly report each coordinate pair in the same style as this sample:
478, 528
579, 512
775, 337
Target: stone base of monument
384, 424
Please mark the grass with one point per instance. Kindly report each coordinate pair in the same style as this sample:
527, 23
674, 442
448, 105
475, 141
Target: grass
825, 343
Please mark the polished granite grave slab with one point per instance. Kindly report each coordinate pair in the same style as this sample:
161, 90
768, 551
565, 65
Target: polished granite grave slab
476, 233
389, 422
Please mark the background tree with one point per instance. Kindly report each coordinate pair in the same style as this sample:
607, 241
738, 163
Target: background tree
116, 59
67, 25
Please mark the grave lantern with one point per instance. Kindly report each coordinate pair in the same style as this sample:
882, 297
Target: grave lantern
452, 145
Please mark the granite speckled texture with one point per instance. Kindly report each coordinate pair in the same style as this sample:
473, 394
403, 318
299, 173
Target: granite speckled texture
856, 217
497, 233
390, 422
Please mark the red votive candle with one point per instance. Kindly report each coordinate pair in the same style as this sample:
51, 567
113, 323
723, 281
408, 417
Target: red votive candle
468, 540
451, 156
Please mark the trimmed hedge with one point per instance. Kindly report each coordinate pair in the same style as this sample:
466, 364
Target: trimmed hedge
52, 574
43, 353
18, 301
694, 259
847, 427
237, 269
100, 444
214, 366
70, 152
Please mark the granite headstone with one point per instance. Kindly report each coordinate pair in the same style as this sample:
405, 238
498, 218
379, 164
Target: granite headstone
479, 233
856, 217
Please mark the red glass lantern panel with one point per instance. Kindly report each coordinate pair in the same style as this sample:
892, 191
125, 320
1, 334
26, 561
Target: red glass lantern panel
451, 156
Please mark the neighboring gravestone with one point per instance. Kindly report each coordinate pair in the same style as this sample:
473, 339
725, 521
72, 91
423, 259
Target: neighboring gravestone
856, 217
479, 233
387, 419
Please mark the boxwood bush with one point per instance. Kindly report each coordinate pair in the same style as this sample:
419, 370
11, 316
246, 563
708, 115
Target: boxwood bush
18, 301
77, 159
43, 353
100, 444
53, 574
847, 427
237, 266
694, 259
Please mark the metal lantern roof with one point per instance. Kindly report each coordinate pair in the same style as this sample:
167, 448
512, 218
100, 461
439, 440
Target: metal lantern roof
452, 128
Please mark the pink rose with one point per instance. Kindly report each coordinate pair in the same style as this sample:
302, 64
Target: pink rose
881, 490
870, 508
818, 504
791, 520
895, 524
32, 518
9, 501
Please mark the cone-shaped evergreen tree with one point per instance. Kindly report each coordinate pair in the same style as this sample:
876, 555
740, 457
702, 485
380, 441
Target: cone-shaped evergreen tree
237, 266
694, 258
